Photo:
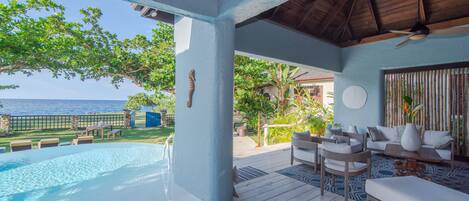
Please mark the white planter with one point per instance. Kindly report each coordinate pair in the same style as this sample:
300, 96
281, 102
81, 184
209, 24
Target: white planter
410, 140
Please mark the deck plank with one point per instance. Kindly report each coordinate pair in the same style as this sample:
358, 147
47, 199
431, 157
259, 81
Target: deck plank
274, 186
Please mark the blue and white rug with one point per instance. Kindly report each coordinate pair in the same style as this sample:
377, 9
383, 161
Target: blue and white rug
382, 166
248, 173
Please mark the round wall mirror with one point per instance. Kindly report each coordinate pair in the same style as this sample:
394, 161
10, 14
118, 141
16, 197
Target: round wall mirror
354, 97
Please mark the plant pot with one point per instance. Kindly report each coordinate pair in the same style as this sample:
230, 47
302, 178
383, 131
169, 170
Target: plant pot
242, 131
410, 140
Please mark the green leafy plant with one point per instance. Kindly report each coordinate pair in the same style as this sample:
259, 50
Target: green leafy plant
410, 109
282, 78
306, 114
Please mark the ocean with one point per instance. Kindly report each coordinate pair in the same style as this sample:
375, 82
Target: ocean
55, 107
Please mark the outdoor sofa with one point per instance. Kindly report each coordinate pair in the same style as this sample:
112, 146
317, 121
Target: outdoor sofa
440, 140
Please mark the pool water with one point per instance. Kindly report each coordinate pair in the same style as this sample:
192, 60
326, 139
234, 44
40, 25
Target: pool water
117, 171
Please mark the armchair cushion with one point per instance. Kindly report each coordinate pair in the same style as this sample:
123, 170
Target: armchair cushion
353, 167
306, 136
337, 148
305, 155
438, 139
332, 131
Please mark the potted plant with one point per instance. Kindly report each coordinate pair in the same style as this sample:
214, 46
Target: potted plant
410, 139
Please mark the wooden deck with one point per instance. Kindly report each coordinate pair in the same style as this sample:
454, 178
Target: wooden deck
274, 186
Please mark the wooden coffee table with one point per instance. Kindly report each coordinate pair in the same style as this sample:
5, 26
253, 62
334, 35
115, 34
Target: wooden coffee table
409, 165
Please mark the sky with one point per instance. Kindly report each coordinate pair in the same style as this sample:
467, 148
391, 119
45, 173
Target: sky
119, 18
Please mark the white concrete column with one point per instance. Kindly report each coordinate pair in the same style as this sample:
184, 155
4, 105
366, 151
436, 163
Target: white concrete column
203, 141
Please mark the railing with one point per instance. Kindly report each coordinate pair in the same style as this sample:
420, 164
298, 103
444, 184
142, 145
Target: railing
116, 120
168, 119
46, 122
266, 130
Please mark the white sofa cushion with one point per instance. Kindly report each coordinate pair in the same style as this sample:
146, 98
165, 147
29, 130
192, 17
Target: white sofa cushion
436, 138
390, 133
411, 189
306, 155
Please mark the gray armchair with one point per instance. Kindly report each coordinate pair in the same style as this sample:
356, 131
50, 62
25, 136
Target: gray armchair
345, 165
304, 149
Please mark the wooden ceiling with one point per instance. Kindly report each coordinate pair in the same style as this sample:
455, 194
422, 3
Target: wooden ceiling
350, 22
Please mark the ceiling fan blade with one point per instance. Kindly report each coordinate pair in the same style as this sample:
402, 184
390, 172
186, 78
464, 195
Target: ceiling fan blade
402, 43
401, 32
450, 31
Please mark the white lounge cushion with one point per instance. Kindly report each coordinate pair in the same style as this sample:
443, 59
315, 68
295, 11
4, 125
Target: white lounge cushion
306, 155
390, 133
411, 188
436, 138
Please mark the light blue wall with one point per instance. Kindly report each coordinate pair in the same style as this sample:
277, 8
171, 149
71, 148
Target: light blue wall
272, 41
203, 151
362, 65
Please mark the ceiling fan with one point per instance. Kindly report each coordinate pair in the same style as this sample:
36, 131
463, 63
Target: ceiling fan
419, 31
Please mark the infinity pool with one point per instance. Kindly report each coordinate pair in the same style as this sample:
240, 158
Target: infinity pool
114, 171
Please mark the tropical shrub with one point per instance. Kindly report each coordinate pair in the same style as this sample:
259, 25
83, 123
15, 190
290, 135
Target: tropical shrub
306, 114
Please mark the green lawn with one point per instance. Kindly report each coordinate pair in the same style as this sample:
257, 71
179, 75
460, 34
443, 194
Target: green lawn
146, 135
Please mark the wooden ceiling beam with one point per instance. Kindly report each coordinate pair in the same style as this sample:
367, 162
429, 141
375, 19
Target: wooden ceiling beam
275, 12
341, 29
423, 13
145, 10
308, 12
372, 8
332, 14
434, 26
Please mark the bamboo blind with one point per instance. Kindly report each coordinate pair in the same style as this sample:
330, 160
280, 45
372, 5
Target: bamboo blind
444, 94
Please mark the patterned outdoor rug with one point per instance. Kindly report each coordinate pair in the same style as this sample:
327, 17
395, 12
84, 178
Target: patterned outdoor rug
248, 173
382, 166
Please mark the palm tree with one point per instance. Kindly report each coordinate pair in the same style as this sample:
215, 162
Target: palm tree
283, 79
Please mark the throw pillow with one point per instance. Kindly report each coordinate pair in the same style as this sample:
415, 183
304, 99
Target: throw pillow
391, 134
375, 134
332, 131
306, 136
